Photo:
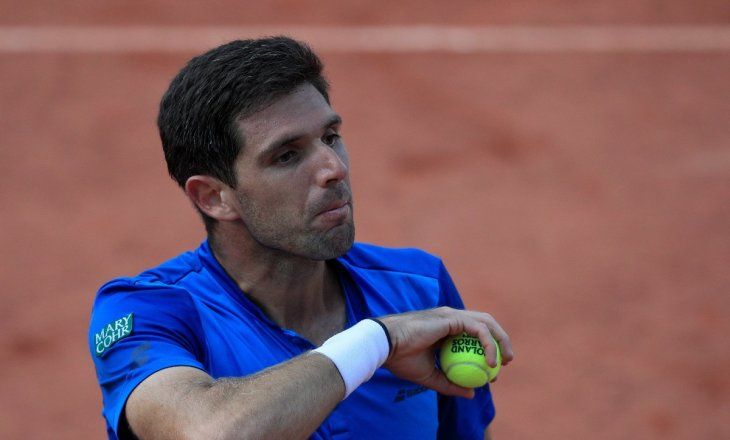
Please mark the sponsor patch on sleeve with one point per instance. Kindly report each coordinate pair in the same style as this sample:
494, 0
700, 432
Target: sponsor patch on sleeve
111, 333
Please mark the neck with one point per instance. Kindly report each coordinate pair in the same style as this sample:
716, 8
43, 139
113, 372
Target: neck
295, 292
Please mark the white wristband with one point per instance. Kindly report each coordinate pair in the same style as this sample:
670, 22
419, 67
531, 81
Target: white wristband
357, 352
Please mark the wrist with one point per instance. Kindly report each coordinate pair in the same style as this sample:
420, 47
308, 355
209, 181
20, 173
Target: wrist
357, 352
387, 334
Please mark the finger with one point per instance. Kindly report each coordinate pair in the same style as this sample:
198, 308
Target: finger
505, 344
499, 335
442, 385
480, 329
490, 349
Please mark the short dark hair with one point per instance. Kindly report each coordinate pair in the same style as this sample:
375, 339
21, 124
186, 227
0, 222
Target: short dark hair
198, 113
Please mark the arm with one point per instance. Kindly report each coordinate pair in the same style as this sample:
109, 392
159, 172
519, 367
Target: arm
186, 402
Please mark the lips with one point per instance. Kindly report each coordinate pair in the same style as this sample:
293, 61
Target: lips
339, 204
335, 205
335, 212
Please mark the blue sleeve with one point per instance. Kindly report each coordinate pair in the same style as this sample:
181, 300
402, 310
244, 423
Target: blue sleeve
136, 331
461, 418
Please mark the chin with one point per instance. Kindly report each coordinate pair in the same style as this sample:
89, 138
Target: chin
333, 245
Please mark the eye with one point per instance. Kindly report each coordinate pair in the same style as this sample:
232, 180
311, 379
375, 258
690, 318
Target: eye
331, 139
286, 157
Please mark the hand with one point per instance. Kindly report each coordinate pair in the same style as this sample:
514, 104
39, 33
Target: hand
415, 336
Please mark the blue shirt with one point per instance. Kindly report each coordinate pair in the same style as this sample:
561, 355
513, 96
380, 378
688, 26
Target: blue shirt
189, 312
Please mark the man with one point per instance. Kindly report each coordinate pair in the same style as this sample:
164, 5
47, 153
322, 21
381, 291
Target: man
265, 330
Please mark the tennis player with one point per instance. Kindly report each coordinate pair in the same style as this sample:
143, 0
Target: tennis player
279, 325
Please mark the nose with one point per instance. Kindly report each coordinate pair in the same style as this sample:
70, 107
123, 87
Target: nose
332, 166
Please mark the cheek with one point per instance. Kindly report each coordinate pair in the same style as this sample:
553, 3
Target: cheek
287, 200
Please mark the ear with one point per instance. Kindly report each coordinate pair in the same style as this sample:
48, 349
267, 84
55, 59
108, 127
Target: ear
213, 197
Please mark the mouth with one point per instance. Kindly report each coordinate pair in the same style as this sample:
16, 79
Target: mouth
336, 211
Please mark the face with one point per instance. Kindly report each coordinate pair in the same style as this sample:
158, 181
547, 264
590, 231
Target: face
293, 177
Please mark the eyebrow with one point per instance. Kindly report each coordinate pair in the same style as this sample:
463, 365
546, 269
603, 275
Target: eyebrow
289, 138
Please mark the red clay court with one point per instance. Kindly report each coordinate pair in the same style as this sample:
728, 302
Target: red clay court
570, 161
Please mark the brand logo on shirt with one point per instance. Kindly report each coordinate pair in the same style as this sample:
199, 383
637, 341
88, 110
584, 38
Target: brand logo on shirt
405, 393
111, 333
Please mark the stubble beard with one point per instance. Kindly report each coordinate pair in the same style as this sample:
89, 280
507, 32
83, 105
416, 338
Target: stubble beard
332, 244
276, 233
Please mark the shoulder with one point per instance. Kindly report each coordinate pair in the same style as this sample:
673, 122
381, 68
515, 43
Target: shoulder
173, 271
402, 260
155, 291
146, 301
152, 305
167, 277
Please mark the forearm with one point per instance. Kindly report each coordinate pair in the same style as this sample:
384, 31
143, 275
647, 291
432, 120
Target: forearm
289, 400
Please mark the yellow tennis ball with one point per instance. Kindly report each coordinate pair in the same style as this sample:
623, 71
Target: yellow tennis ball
464, 362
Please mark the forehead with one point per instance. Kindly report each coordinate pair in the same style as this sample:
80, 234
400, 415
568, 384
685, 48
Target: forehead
302, 111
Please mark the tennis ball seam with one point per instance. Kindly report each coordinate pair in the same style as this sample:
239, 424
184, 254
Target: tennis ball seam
477, 378
484, 370
452, 365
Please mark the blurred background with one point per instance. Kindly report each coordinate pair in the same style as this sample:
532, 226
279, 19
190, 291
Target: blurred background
569, 160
